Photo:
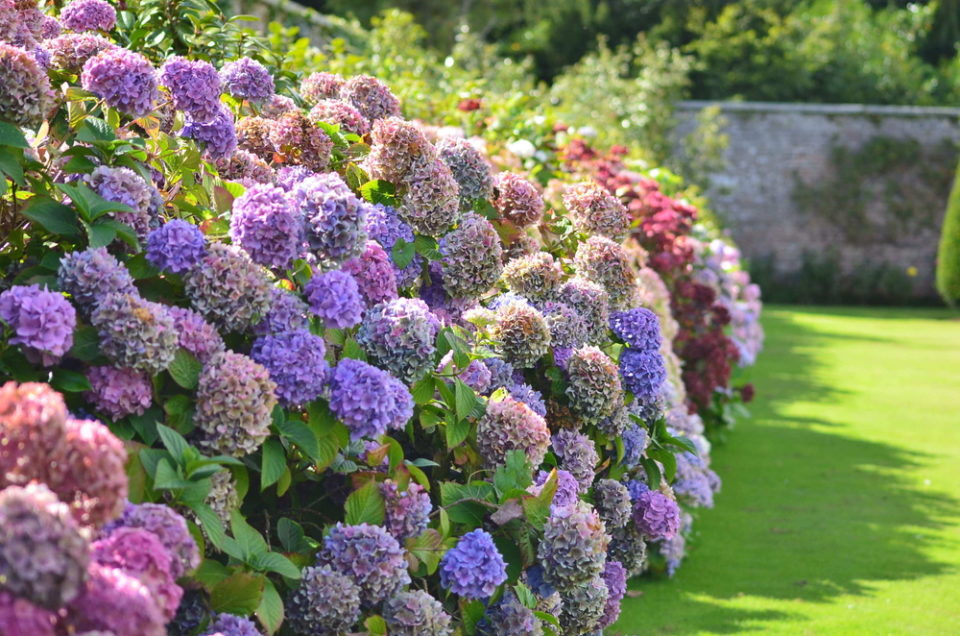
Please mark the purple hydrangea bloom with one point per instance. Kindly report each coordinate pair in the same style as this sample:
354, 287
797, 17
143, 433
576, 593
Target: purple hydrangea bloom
577, 454
124, 79
385, 227
634, 443
88, 15
568, 488
92, 275
277, 105
656, 515
511, 425
638, 327
606, 263
289, 177
43, 553
472, 258
476, 375
431, 204
469, 167
266, 225
218, 135
20, 617
70, 51
399, 336
509, 617
27, 97
195, 334
415, 613
169, 526
695, 483
592, 304
49, 27
529, 396
247, 79
325, 602
321, 85
135, 332
42, 56
335, 111
42, 322
119, 392
368, 400
628, 547
501, 373
636, 488
643, 372
287, 313
574, 546
123, 185
408, 512
194, 86
615, 576
335, 297
175, 246
296, 364
474, 567
335, 218
140, 553
231, 625
370, 556
113, 602
374, 274
370, 96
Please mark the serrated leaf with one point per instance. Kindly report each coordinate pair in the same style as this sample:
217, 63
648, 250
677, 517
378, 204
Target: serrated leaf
185, 369
239, 594
353, 350
166, 477
100, 235
379, 191
457, 431
423, 390
93, 130
273, 463
365, 505
514, 473
54, 217
525, 595
375, 625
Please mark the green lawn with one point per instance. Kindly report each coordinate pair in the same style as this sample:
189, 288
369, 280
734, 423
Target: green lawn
840, 509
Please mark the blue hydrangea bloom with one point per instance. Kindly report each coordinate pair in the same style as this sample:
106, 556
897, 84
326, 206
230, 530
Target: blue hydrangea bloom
634, 442
230, 625
525, 393
643, 372
296, 363
639, 328
368, 400
175, 246
474, 567
335, 218
335, 297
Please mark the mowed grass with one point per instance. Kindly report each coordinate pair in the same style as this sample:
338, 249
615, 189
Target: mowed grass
840, 509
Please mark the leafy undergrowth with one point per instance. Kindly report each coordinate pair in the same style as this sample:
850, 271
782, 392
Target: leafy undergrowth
841, 498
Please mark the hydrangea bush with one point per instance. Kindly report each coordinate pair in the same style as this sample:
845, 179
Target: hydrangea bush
279, 360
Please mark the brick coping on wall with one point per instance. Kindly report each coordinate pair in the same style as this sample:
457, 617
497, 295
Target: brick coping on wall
822, 109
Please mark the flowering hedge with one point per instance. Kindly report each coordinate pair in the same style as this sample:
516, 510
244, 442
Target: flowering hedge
288, 362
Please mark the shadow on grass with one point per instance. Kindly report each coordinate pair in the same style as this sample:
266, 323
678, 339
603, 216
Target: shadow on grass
805, 514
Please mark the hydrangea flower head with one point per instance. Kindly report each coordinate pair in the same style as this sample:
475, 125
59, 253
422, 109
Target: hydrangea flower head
88, 15
638, 328
368, 400
474, 567
27, 97
277, 105
123, 185
643, 372
374, 274
217, 135
397, 148
596, 211
577, 454
606, 263
408, 512
656, 515
119, 392
235, 400
613, 503
501, 373
92, 275
431, 203
509, 617
536, 276
194, 86
592, 304
517, 200
568, 488
70, 51
369, 556
335, 111
42, 322
228, 288
574, 546
168, 526
298, 141
582, 606
139, 553
267, 226
287, 313
628, 547
370, 96
123, 79
317, 86
135, 333
512, 425
43, 554
415, 613
525, 393
594, 389
634, 443
246, 168
175, 246
232, 625
32, 426
469, 168
195, 334
384, 226
472, 257
326, 602
253, 135
335, 218
335, 297
522, 334
114, 602
21, 617
247, 79
399, 336
295, 360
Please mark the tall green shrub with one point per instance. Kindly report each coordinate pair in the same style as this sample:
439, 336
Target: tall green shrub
948, 256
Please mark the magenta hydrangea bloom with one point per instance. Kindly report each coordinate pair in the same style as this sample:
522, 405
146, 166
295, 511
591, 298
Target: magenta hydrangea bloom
656, 515
135, 333
169, 526
43, 553
92, 275
247, 79
32, 426
335, 297
334, 216
368, 400
335, 111
643, 372
19, 617
370, 96
195, 334
299, 141
218, 135
386, 228
175, 246
474, 567
374, 274
116, 603
368, 555
287, 313
124, 79
517, 199
119, 392
325, 602
267, 226
574, 546
194, 86
139, 553
88, 15
511, 425
235, 399
296, 364
398, 335
228, 288
408, 512
42, 322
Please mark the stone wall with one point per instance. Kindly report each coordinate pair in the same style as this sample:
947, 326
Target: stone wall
866, 184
